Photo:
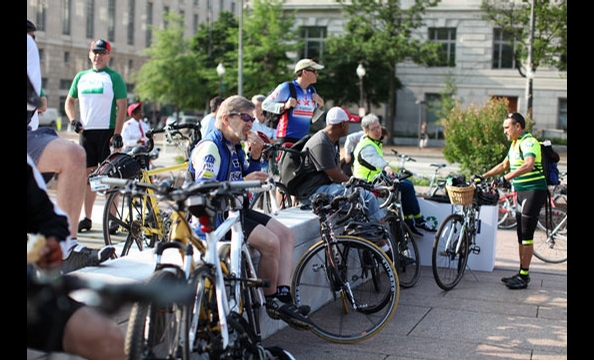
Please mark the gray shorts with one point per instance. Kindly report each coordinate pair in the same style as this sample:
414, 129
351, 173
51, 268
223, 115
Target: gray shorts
37, 140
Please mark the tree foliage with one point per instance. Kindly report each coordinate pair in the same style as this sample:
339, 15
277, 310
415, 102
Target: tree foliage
550, 29
381, 33
171, 74
474, 136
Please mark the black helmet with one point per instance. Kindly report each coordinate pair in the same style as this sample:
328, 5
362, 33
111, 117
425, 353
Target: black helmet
486, 195
373, 232
31, 26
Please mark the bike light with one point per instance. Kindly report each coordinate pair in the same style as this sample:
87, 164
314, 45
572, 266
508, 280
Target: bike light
204, 221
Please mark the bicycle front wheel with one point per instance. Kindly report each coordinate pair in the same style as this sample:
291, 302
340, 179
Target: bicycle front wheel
355, 284
407, 259
125, 224
450, 252
154, 330
551, 246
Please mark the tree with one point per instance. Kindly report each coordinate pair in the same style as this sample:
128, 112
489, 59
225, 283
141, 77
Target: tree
550, 30
381, 32
171, 75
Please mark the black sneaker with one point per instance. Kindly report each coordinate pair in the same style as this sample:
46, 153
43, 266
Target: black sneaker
85, 224
113, 227
511, 278
518, 282
425, 227
415, 231
82, 256
289, 313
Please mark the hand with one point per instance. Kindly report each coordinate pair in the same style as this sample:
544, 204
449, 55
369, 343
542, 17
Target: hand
51, 254
77, 126
318, 99
255, 144
501, 182
476, 178
116, 141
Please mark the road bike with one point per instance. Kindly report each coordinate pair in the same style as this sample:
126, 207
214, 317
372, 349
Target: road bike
436, 190
349, 276
139, 220
223, 319
455, 239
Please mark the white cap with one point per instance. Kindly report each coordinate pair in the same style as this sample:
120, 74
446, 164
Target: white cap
336, 115
307, 63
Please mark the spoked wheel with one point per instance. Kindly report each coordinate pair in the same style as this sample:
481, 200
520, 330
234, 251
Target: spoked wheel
154, 330
450, 252
124, 226
371, 278
506, 216
262, 201
406, 256
551, 246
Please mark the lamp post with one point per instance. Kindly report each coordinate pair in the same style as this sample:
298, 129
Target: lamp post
530, 69
220, 72
361, 73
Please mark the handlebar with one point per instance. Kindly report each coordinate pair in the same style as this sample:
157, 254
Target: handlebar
167, 128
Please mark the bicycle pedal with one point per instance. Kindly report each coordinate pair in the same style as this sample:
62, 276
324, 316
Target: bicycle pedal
476, 249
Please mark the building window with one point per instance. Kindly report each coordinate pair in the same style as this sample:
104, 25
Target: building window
65, 84
66, 21
90, 18
62, 104
44, 83
165, 12
41, 54
563, 114
66, 57
41, 15
447, 53
512, 102
130, 65
195, 22
503, 49
111, 20
131, 14
149, 24
313, 38
432, 106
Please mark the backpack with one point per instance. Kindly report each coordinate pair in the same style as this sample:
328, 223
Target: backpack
549, 161
119, 165
272, 118
290, 168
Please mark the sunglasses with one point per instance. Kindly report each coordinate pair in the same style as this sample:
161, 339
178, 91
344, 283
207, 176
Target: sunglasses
312, 70
99, 52
243, 116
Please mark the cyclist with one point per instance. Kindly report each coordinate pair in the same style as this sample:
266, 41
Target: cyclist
368, 160
134, 129
220, 156
59, 323
529, 181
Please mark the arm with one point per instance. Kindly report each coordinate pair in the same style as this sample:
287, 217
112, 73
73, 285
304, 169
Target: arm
121, 104
498, 169
371, 156
279, 99
70, 108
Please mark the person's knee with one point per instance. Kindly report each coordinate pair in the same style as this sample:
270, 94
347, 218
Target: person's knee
89, 332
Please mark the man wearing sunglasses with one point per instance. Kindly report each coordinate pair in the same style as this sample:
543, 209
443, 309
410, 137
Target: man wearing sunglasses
294, 123
220, 156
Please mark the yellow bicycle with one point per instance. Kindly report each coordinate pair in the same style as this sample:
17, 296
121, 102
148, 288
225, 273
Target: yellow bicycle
137, 219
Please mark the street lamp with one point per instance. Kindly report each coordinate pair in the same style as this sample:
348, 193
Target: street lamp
220, 72
530, 70
361, 73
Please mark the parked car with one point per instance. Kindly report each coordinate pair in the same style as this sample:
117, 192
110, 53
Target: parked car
49, 118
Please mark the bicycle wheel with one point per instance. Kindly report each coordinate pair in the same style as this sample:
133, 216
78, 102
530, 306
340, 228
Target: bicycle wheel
154, 330
551, 247
449, 257
371, 279
506, 218
263, 203
407, 259
132, 222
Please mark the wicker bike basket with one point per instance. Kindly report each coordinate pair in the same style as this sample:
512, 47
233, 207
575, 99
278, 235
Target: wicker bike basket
461, 195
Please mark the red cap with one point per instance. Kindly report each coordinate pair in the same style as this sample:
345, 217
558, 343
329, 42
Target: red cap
352, 118
133, 107
100, 45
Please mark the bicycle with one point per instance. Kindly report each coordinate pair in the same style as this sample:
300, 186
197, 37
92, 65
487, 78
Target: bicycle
455, 239
349, 275
129, 220
436, 190
222, 320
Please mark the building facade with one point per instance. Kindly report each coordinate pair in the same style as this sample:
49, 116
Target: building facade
474, 48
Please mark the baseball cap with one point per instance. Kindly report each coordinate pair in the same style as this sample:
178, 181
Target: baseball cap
100, 45
133, 107
307, 63
336, 115
31, 26
352, 118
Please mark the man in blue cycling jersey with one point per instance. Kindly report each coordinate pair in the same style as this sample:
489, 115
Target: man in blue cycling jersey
220, 156
294, 123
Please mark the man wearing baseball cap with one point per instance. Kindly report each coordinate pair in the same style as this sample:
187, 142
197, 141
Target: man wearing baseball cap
297, 111
102, 96
134, 130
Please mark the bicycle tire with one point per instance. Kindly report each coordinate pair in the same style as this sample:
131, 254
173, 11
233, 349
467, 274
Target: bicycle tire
553, 248
448, 262
506, 216
312, 283
130, 222
406, 256
154, 331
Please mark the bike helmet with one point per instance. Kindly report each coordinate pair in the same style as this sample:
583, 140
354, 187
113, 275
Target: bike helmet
31, 26
373, 232
486, 195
